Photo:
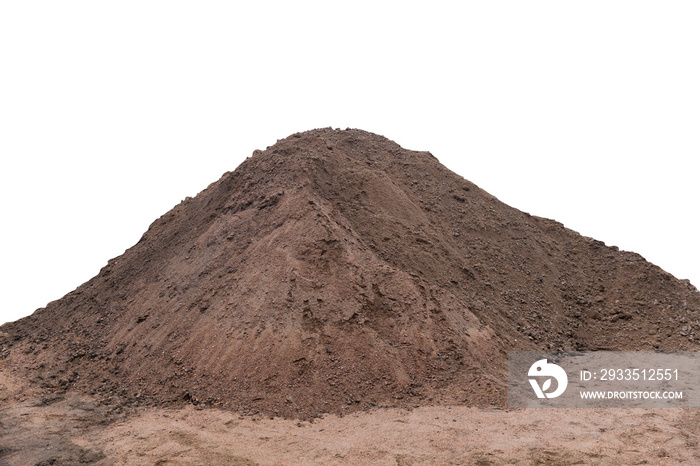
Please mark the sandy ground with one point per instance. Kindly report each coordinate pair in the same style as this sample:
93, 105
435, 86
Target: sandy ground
74, 429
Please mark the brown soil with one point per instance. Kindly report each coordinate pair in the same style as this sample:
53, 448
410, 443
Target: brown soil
335, 272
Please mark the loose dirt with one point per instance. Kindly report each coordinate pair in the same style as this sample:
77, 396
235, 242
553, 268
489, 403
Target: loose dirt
332, 273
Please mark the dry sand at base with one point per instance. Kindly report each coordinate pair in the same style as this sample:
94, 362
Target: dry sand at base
423, 436
74, 429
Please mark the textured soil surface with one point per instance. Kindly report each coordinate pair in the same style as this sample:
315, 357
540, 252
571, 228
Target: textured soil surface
334, 272
77, 429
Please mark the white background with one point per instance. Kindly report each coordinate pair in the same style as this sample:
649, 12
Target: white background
112, 112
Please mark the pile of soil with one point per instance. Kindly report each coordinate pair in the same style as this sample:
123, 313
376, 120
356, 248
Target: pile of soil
336, 271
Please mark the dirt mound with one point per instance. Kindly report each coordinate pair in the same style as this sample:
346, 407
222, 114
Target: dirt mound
336, 271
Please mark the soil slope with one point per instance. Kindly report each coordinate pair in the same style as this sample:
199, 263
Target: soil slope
337, 271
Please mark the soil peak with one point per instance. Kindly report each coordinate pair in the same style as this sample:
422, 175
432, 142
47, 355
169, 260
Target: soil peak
336, 271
